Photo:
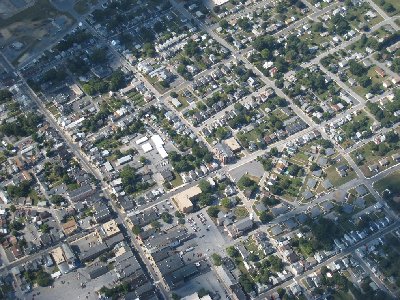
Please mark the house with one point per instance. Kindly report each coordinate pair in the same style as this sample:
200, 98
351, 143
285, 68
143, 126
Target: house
361, 190
384, 162
240, 227
70, 227
307, 195
327, 184
373, 168
396, 157
167, 175
380, 72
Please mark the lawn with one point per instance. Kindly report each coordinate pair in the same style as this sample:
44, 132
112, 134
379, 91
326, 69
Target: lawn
241, 212
81, 7
177, 181
136, 98
391, 182
372, 157
40, 11
334, 177
384, 4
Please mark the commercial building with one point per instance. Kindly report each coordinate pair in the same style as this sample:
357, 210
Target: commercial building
184, 199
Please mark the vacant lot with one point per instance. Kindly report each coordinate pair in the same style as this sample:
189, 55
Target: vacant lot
391, 182
29, 27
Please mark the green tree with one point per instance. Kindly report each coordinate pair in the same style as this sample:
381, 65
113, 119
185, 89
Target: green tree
213, 211
226, 202
13, 208
136, 229
217, 260
232, 251
166, 217
43, 278
265, 217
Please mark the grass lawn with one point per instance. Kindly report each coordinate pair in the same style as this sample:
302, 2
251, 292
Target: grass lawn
372, 157
177, 181
40, 11
300, 158
383, 4
241, 212
334, 176
136, 98
81, 7
53, 110
391, 182
183, 102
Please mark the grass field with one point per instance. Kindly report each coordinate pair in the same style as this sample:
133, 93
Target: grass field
81, 7
384, 4
40, 11
391, 182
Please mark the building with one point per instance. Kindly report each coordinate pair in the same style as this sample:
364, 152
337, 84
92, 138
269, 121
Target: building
219, 2
81, 193
184, 199
224, 154
70, 227
109, 229
233, 144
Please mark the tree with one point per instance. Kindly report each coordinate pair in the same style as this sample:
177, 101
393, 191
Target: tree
224, 24
314, 167
213, 211
274, 151
356, 68
383, 149
155, 225
205, 199
57, 199
294, 170
232, 251
5, 96
244, 24
44, 228
175, 296
217, 260
245, 280
13, 208
204, 186
276, 263
265, 217
226, 202
43, 278
136, 229
21, 190
392, 137
166, 217
202, 292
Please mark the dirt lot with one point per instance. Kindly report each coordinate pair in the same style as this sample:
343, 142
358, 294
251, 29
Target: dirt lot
22, 33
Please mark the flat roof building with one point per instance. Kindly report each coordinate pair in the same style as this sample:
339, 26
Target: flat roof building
184, 199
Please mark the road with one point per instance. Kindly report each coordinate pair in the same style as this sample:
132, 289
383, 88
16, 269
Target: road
87, 166
268, 84
349, 250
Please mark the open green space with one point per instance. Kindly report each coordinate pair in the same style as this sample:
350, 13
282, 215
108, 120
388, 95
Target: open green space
391, 182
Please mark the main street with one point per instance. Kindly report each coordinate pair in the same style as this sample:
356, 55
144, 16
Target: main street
268, 84
82, 157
